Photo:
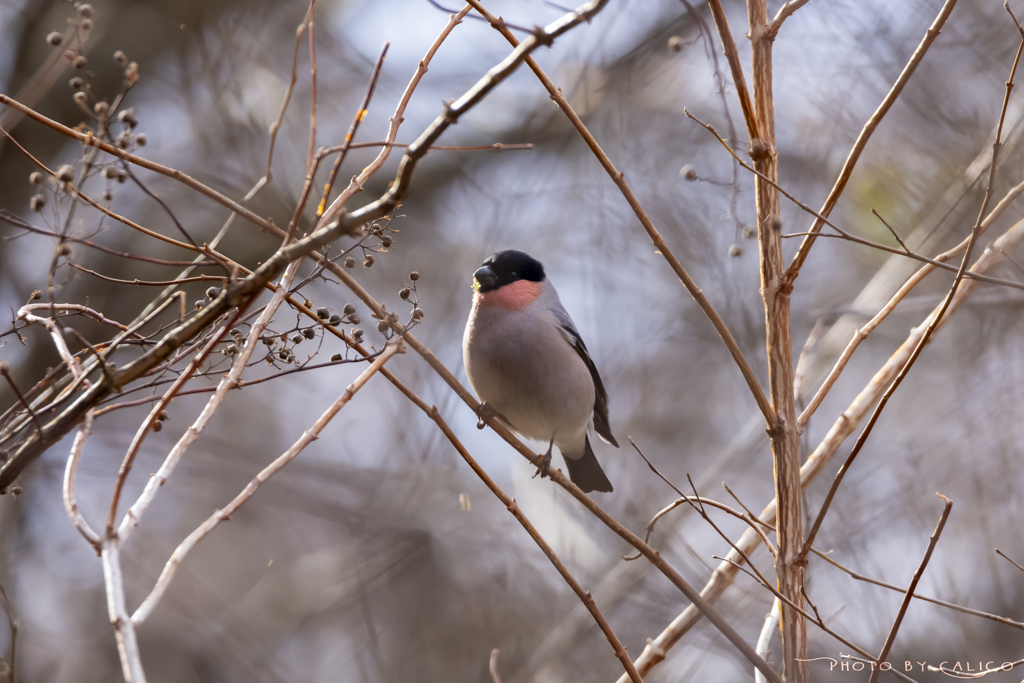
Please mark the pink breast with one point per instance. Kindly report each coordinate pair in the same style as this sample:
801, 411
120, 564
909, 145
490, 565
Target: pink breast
513, 297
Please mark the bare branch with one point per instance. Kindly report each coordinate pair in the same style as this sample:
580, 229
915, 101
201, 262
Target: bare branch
862, 140
910, 589
70, 503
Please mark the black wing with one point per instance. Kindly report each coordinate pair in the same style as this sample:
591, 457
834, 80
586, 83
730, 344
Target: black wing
601, 425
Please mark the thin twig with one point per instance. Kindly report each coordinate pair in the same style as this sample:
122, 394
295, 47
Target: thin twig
353, 127
884, 654
862, 140
150, 283
784, 13
495, 677
70, 503
1006, 557
513, 507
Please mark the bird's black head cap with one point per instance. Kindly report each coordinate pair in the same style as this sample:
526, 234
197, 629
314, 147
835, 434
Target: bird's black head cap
506, 267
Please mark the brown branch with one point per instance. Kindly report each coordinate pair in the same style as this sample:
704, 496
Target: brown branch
910, 589
732, 55
150, 283
5, 370
1006, 557
784, 13
862, 140
659, 242
784, 433
513, 507
17, 222
353, 127
495, 147
934, 323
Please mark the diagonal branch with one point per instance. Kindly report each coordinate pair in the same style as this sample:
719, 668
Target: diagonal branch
862, 140
910, 589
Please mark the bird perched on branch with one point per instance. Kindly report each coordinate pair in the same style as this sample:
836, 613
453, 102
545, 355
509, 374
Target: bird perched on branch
527, 362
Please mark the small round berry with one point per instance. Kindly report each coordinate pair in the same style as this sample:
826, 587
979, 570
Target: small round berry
36, 178
323, 313
107, 195
85, 11
213, 292
349, 309
417, 314
354, 319
297, 339
308, 333
80, 62
157, 426
65, 250
687, 172
127, 117
675, 44
350, 262
55, 38
335, 319
162, 415
120, 58
66, 173
382, 326
81, 98
357, 336
735, 251
386, 241
37, 202
404, 292
199, 305
414, 276
336, 358
85, 24
77, 83
369, 261
749, 232
110, 172
141, 139
101, 108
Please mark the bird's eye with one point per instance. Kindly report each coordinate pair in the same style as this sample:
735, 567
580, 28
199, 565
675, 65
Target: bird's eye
515, 275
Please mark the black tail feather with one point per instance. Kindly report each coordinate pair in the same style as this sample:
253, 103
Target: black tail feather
585, 471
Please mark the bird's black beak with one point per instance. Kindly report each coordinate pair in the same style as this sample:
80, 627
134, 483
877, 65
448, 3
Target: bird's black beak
485, 280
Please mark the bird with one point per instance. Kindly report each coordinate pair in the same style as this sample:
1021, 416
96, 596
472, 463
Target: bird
529, 367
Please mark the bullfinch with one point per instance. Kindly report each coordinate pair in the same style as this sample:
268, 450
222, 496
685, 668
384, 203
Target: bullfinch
526, 360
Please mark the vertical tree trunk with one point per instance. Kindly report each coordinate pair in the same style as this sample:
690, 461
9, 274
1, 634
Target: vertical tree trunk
785, 434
